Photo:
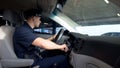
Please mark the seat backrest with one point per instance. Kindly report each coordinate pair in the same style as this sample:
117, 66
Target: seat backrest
6, 44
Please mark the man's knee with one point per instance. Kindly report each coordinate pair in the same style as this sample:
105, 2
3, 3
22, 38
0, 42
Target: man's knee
62, 62
62, 58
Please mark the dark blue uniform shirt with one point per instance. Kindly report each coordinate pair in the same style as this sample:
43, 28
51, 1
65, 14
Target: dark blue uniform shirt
22, 40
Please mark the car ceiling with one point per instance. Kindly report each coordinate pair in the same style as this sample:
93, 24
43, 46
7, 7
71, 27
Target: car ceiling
46, 5
22, 5
78, 10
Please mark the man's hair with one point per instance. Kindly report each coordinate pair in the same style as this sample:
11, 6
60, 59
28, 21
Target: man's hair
32, 12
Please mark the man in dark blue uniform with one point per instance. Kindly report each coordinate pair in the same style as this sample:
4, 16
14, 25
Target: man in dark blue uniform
26, 43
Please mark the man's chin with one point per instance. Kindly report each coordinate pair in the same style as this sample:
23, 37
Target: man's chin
36, 27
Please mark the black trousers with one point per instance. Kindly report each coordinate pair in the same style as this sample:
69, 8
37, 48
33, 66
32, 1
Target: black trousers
52, 59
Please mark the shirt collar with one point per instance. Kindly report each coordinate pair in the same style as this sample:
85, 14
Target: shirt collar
27, 25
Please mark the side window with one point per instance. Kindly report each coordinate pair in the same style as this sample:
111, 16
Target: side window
47, 26
2, 22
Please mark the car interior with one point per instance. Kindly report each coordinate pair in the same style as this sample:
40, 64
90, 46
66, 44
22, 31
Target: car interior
84, 51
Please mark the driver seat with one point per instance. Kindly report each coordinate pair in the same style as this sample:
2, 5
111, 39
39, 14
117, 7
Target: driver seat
8, 57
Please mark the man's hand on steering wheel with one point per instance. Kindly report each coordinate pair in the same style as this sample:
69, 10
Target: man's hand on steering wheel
58, 36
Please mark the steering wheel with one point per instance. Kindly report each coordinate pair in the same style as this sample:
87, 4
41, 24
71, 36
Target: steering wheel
59, 35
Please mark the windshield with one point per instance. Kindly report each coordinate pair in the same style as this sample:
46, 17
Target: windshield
93, 17
93, 12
